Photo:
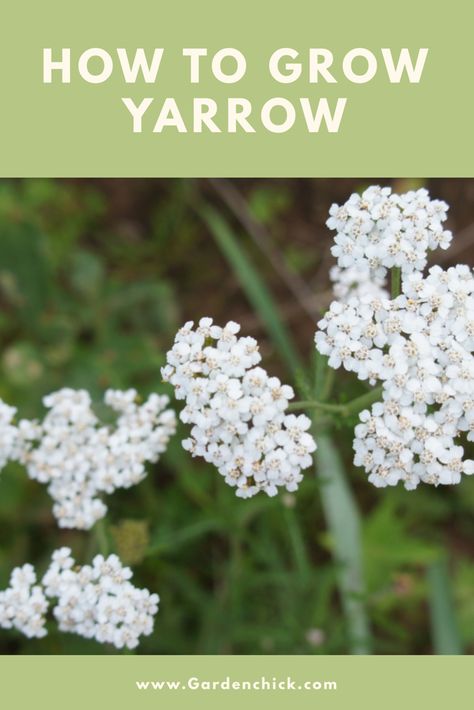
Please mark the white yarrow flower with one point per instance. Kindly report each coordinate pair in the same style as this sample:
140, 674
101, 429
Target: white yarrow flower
23, 605
236, 410
96, 601
10, 443
80, 459
379, 230
357, 280
420, 347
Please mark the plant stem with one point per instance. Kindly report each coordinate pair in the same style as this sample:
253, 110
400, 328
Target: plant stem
345, 410
360, 403
396, 281
313, 404
328, 384
101, 537
444, 628
344, 524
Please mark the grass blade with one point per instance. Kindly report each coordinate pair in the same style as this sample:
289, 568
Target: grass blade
444, 630
342, 517
252, 284
340, 508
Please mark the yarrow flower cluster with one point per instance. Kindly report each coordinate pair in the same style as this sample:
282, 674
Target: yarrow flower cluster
79, 458
357, 281
9, 435
23, 604
95, 601
237, 411
379, 230
420, 347
98, 601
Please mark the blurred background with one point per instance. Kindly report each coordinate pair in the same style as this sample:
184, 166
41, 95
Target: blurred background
96, 276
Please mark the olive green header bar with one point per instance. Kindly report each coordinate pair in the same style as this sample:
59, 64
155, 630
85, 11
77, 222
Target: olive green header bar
236, 88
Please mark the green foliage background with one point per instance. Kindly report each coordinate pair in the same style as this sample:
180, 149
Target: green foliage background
95, 279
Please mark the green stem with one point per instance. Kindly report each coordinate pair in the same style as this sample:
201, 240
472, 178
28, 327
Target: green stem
328, 384
344, 524
444, 627
101, 537
345, 410
396, 281
362, 402
313, 404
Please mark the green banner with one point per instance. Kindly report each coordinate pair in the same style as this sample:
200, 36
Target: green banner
215, 681
236, 89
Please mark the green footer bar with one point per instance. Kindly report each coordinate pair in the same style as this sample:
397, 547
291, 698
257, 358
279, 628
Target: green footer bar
231, 681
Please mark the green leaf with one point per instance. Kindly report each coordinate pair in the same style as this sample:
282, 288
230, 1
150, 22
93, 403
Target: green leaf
342, 517
171, 540
253, 285
444, 628
391, 547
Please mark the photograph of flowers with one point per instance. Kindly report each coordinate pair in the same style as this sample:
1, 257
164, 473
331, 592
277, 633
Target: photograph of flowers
236, 416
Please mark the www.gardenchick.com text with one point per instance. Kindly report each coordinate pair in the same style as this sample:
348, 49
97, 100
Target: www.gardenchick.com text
227, 683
